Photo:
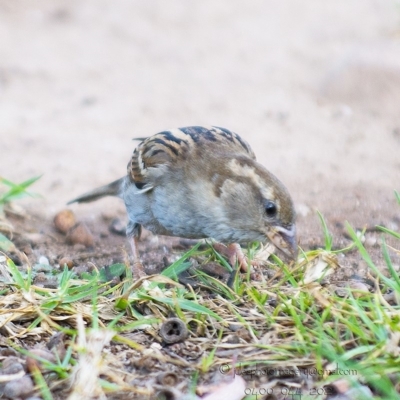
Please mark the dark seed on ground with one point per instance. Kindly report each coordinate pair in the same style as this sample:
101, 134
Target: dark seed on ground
173, 330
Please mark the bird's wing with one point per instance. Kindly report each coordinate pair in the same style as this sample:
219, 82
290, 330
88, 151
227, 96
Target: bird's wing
157, 153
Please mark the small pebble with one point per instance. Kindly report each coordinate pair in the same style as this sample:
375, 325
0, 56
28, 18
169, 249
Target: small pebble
56, 345
64, 221
392, 225
66, 261
44, 260
80, 234
27, 250
167, 379
341, 292
9, 361
358, 288
35, 238
357, 285
33, 363
44, 281
7, 352
232, 339
18, 388
108, 214
82, 269
370, 241
360, 236
79, 247
302, 210
13, 368
117, 227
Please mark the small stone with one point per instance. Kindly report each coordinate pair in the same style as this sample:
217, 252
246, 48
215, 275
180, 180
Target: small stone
360, 236
358, 288
370, 241
10, 360
392, 225
302, 209
341, 292
19, 388
35, 238
56, 345
83, 269
13, 368
27, 250
66, 261
108, 214
7, 352
80, 234
232, 339
117, 227
167, 379
44, 281
64, 221
44, 260
33, 363
79, 247
104, 234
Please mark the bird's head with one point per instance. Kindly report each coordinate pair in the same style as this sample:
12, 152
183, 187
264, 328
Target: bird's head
258, 205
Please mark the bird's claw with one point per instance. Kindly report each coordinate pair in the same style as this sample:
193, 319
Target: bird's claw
235, 256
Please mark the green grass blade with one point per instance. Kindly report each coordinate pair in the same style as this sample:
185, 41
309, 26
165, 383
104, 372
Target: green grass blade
327, 235
366, 256
179, 266
389, 231
389, 264
6, 244
16, 191
41, 384
184, 304
19, 280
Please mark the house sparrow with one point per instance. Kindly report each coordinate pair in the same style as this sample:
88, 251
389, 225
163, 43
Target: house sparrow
202, 182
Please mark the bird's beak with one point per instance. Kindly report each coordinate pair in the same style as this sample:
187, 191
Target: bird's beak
284, 239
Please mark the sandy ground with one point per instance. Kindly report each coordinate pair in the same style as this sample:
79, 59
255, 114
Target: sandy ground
313, 86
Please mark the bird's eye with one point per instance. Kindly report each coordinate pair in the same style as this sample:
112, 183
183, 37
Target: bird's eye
270, 209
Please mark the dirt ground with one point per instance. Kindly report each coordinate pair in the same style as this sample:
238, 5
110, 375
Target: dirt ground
314, 87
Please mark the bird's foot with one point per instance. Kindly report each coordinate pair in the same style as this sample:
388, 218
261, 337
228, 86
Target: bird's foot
235, 256
138, 270
137, 267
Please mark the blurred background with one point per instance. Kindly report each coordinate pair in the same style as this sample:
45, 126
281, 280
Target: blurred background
313, 86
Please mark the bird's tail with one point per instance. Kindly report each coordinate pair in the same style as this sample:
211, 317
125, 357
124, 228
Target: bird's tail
112, 189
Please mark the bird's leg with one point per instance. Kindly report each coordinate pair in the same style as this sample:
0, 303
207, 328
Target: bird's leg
234, 253
133, 231
137, 267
